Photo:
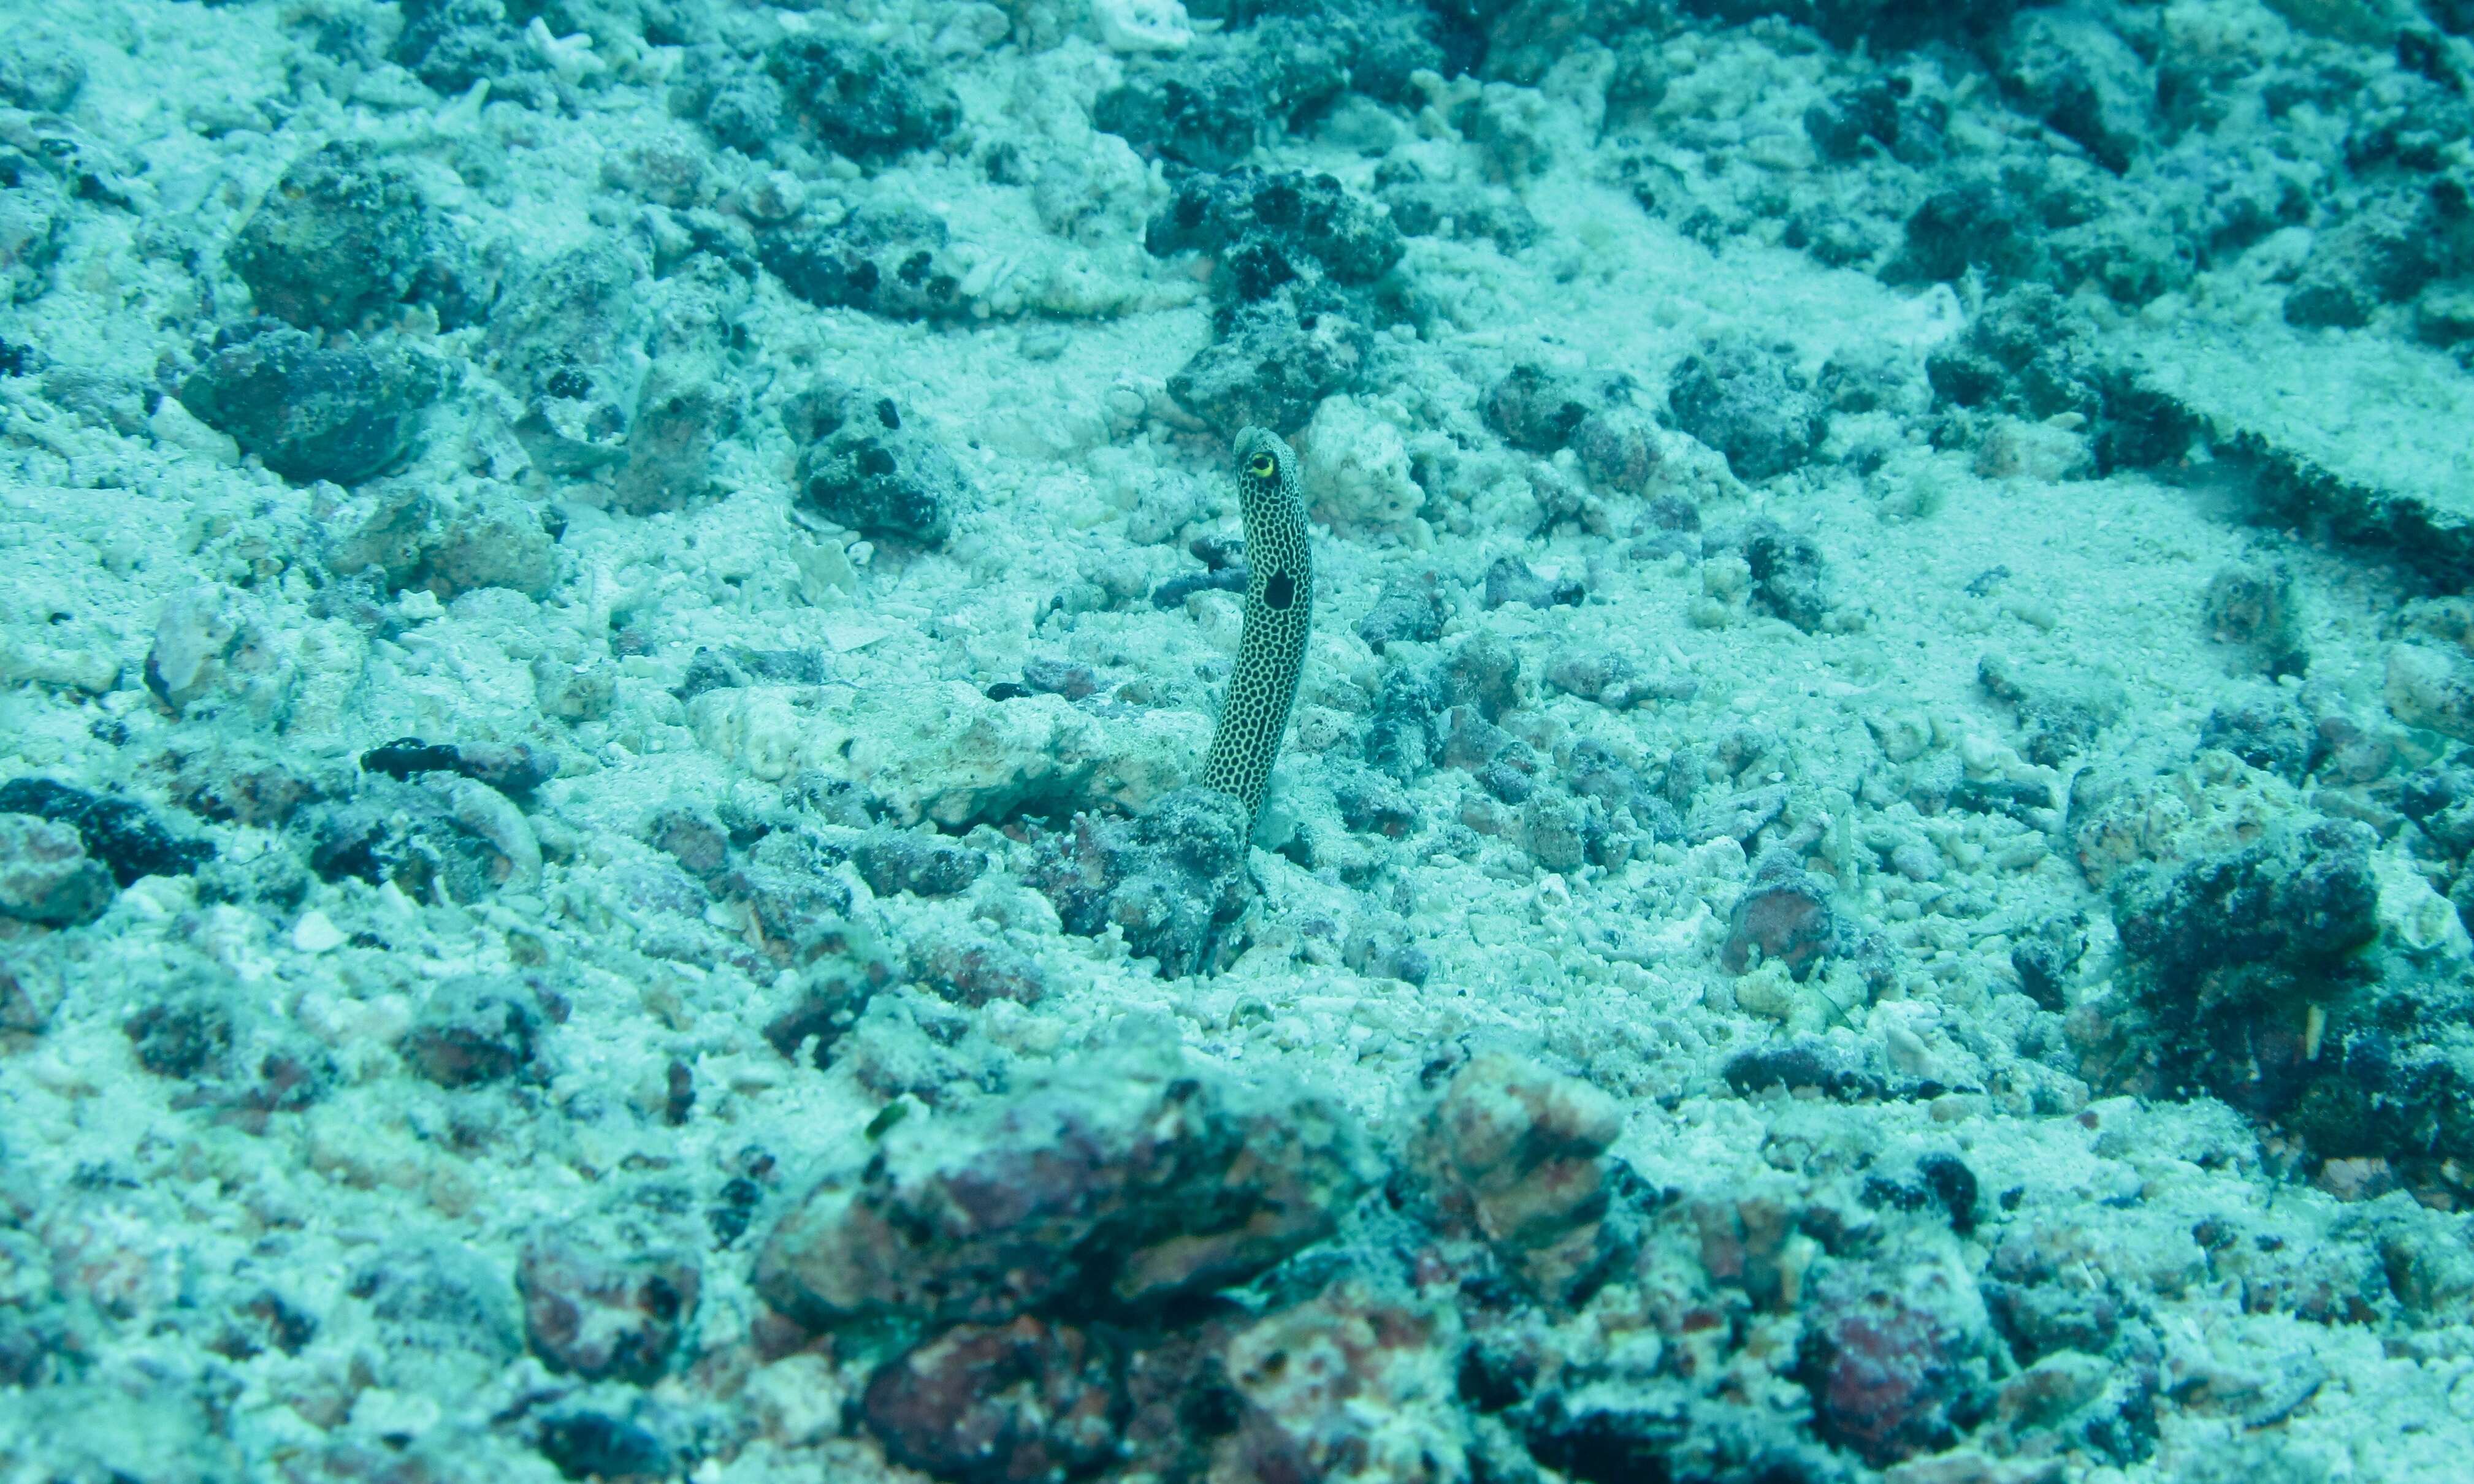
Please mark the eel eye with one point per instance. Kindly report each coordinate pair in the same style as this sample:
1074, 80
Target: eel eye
1263, 465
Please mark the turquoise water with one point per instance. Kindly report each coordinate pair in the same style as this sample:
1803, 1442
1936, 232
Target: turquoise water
614, 610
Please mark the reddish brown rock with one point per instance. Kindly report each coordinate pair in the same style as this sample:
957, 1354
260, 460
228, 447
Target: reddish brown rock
1024, 1402
1126, 1179
1348, 1385
973, 970
1887, 1369
1514, 1153
1782, 916
604, 1318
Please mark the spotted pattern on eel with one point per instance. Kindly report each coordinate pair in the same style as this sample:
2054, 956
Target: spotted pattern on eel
1279, 612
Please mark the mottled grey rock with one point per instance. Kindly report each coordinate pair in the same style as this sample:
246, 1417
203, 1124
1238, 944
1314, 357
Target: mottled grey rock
868, 466
1270, 363
1751, 403
343, 231
864, 98
1170, 880
314, 410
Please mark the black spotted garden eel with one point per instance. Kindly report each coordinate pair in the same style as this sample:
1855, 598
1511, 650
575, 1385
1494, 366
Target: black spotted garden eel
1279, 612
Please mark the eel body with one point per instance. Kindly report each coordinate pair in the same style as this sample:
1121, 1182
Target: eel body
1279, 612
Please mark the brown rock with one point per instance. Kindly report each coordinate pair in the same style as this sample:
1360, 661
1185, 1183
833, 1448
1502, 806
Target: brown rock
1024, 1402
602, 1318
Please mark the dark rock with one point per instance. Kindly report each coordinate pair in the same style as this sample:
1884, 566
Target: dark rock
1538, 410
998, 1404
1400, 734
2266, 729
600, 1316
1749, 402
45, 874
1373, 803
121, 833
513, 769
1790, 574
2305, 895
475, 1030
588, 1444
864, 99
1264, 231
866, 467
746, 111
888, 261
1126, 1180
1509, 580
312, 411
1270, 363
1168, 879
187, 1037
1412, 609
344, 231
924, 865
1782, 915
453, 44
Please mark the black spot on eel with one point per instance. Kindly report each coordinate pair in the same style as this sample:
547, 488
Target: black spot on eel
1280, 613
